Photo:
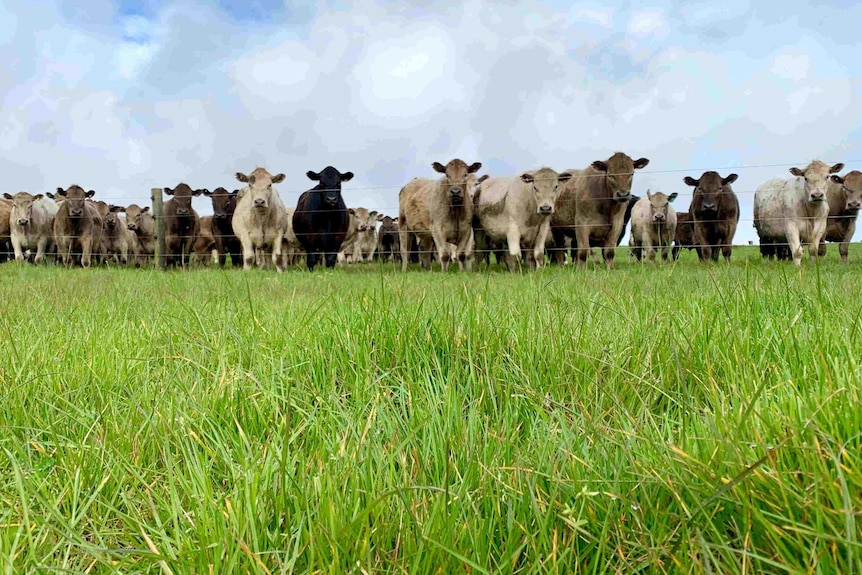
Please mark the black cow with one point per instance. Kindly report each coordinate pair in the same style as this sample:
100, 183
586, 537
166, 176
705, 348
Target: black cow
224, 205
320, 221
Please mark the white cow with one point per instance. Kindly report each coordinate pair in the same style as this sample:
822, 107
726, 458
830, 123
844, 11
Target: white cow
31, 224
795, 210
519, 211
653, 225
259, 219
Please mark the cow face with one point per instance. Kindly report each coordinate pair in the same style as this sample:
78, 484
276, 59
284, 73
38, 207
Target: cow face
103, 208
388, 225
22, 207
75, 197
816, 175
619, 170
111, 220
367, 220
329, 184
224, 203
545, 184
260, 186
183, 195
851, 185
708, 188
134, 214
658, 205
455, 179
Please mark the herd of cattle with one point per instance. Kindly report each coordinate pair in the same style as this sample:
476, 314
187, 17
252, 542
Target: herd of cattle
452, 217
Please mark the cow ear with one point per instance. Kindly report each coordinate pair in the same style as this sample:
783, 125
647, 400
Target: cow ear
438, 167
797, 172
380, 217
836, 168
168, 191
600, 166
833, 177
691, 181
7, 195
527, 178
351, 211
61, 192
483, 178
346, 176
38, 197
648, 194
242, 177
145, 210
672, 197
314, 176
90, 194
372, 214
233, 193
641, 163
199, 192
277, 179
729, 179
207, 193
474, 167
564, 177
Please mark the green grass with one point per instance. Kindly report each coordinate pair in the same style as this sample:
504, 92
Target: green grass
679, 418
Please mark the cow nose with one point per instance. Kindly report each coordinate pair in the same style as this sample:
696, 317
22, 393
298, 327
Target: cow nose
221, 215
621, 195
110, 224
76, 213
131, 227
23, 222
816, 196
456, 192
659, 217
854, 205
545, 209
709, 206
182, 211
260, 203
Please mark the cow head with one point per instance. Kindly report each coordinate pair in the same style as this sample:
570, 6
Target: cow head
183, 197
619, 170
134, 214
707, 190
259, 187
329, 184
224, 203
367, 219
75, 197
111, 220
851, 185
103, 208
545, 185
658, 206
22, 207
455, 179
816, 175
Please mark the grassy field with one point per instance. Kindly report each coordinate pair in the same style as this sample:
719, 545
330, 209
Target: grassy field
680, 418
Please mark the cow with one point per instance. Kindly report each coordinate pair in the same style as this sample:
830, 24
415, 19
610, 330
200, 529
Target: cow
77, 226
182, 225
204, 246
321, 219
844, 195
387, 239
224, 206
592, 205
140, 222
714, 212
5, 230
518, 211
117, 239
795, 210
439, 212
366, 235
260, 219
31, 224
684, 236
653, 225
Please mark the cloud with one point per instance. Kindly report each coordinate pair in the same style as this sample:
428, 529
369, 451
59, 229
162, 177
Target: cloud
127, 97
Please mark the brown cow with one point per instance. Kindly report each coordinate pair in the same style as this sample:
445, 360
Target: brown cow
224, 206
117, 239
182, 225
387, 239
204, 247
684, 236
592, 206
844, 195
439, 212
715, 212
140, 222
77, 226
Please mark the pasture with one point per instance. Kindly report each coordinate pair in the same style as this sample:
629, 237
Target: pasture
676, 418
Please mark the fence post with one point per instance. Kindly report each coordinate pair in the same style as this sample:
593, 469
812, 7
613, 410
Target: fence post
159, 217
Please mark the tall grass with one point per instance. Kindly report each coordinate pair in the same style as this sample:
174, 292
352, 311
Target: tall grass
654, 419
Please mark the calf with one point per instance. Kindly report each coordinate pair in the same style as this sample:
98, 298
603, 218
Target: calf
204, 247
366, 235
31, 224
439, 212
592, 206
387, 238
140, 222
518, 211
117, 239
77, 226
321, 219
715, 214
653, 224
182, 225
844, 195
684, 236
794, 210
226, 242
260, 219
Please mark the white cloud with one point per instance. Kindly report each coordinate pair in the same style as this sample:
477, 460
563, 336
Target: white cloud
602, 16
647, 23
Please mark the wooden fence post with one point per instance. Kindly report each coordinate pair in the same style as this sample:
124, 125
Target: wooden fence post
159, 217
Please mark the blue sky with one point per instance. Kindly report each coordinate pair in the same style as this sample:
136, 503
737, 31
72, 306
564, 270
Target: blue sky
123, 96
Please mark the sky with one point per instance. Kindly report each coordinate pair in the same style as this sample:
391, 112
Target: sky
120, 96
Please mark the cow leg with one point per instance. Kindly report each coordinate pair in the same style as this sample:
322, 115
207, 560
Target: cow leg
581, 243
404, 241
844, 246
796, 249
86, 250
16, 246
513, 239
247, 253
646, 240
817, 235
330, 259
276, 252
